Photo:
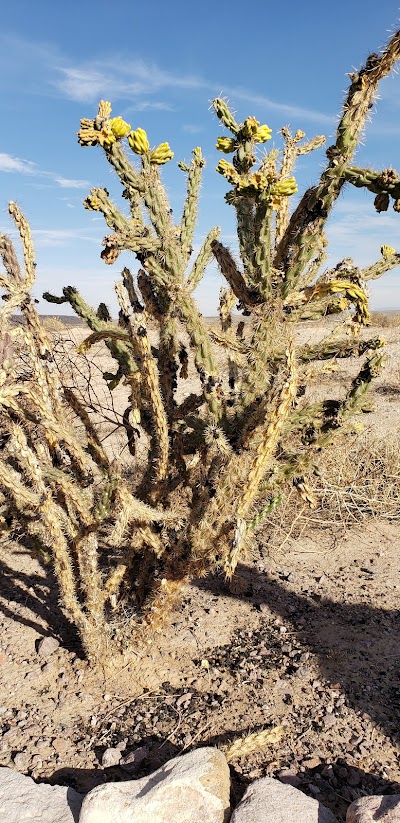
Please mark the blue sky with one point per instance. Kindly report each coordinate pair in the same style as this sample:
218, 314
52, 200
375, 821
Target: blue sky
160, 65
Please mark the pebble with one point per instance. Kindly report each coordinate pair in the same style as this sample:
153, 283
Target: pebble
111, 757
47, 646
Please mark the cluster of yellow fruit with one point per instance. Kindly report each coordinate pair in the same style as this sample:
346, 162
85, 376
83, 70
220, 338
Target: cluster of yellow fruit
260, 134
258, 181
115, 129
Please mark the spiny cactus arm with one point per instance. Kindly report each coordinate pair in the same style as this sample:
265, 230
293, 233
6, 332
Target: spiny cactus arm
99, 200
234, 277
263, 511
355, 397
225, 115
139, 340
92, 587
63, 564
290, 153
190, 208
168, 358
27, 244
95, 447
351, 291
149, 295
129, 177
378, 182
203, 258
327, 349
245, 214
58, 481
229, 342
292, 150
10, 262
130, 509
201, 345
227, 300
381, 266
24, 499
88, 314
262, 255
106, 334
298, 244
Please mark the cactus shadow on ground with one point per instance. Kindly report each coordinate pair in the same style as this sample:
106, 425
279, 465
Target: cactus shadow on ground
363, 660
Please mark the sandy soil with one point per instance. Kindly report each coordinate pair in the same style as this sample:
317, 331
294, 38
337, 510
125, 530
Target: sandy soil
309, 639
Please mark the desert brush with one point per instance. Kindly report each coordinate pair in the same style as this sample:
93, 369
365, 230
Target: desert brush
124, 537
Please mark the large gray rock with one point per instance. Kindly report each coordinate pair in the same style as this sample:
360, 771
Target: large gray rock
380, 807
269, 801
24, 801
188, 789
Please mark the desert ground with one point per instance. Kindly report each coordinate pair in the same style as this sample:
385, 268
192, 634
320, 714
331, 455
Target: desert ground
308, 638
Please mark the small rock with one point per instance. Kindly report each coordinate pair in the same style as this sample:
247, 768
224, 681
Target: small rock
23, 800
31, 675
378, 807
47, 646
111, 757
131, 762
21, 760
269, 801
192, 787
290, 777
61, 745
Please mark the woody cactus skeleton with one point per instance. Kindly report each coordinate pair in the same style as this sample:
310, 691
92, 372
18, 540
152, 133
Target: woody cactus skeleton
222, 457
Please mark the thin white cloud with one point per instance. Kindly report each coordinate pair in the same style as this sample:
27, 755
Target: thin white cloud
150, 105
113, 79
15, 164
286, 109
50, 238
191, 128
43, 68
66, 183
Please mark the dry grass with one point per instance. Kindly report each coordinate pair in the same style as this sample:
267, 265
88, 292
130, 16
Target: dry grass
358, 479
386, 319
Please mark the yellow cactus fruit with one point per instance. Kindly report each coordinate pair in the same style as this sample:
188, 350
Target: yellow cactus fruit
104, 110
284, 187
138, 141
162, 154
387, 251
87, 134
106, 136
262, 134
250, 126
257, 181
226, 144
228, 171
119, 127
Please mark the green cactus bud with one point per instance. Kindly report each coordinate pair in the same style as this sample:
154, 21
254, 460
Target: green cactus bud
226, 144
162, 154
262, 134
222, 111
119, 127
138, 141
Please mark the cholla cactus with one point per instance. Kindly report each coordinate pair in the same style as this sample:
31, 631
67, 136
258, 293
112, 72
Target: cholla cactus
219, 459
